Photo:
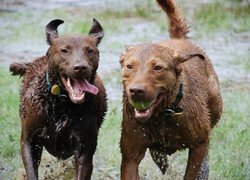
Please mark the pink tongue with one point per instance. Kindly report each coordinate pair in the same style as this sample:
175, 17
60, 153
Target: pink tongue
85, 86
89, 87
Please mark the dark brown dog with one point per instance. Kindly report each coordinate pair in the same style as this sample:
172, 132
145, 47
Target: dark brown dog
171, 101
63, 101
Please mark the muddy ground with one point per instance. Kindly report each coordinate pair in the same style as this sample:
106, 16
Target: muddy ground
221, 47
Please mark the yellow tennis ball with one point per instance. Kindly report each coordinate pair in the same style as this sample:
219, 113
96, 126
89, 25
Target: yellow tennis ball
140, 105
55, 90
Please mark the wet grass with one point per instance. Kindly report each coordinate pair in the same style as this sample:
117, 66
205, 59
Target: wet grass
107, 157
9, 121
113, 78
243, 61
229, 149
18, 30
226, 16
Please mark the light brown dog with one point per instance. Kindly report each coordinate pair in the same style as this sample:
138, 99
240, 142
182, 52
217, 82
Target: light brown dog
171, 101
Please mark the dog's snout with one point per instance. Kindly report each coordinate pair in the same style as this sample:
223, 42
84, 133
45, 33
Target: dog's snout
137, 91
79, 67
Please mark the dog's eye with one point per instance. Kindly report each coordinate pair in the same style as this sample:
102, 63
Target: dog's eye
64, 51
129, 66
158, 68
90, 51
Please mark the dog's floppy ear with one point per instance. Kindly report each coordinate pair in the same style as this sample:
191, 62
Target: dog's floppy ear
96, 31
51, 30
181, 58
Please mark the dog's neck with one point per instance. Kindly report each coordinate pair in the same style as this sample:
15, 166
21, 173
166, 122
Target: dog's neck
174, 109
170, 106
54, 84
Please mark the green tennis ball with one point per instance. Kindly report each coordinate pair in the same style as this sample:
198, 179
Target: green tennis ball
140, 105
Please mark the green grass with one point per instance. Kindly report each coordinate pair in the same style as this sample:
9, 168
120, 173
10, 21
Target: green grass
144, 9
9, 120
240, 60
18, 30
139, 8
229, 149
108, 152
113, 77
215, 16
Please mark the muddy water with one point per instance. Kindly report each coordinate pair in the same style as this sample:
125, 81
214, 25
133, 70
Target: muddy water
223, 48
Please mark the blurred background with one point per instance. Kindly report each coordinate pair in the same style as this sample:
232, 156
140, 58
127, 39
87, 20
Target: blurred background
220, 27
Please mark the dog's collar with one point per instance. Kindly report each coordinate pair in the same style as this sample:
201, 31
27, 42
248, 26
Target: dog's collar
174, 109
54, 89
47, 80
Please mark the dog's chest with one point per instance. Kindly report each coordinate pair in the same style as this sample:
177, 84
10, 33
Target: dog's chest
64, 130
63, 137
168, 134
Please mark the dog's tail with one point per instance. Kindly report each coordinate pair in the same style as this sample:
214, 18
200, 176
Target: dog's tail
178, 27
19, 68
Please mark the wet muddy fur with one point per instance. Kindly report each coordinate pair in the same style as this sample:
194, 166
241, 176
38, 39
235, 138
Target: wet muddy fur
176, 100
63, 101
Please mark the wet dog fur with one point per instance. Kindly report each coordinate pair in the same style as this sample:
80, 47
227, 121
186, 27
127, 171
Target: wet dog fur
155, 73
62, 100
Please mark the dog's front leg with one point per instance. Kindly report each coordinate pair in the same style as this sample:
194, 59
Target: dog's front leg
31, 155
132, 154
195, 158
83, 166
129, 169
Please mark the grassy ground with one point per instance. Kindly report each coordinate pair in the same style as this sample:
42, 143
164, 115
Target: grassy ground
229, 146
9, 121
229, 150
222, 15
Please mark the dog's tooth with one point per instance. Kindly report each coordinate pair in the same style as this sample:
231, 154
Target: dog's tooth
69, 84
68, 81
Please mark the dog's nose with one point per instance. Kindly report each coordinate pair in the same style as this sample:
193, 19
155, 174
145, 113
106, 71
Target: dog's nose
79, 67
137, 92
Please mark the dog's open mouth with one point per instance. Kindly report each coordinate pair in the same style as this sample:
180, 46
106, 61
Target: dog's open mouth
143, 111
77, 88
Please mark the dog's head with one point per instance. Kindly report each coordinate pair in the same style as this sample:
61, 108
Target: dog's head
149, 74
75, 59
